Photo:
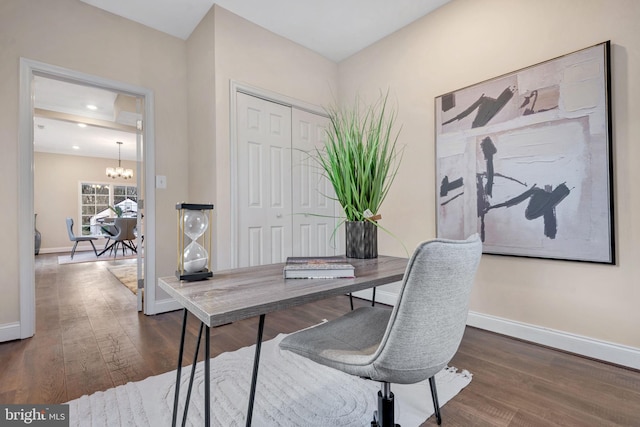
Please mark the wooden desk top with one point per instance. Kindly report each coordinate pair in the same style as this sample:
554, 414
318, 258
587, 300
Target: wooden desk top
236, 294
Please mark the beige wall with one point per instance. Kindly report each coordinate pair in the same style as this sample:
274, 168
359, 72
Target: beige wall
74, 35
56, 187
468, 41
249, 54
202, 117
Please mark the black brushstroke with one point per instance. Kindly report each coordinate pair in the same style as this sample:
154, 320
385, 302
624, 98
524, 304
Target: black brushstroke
510, 178
488, 149
446, 186
542, 203
544, 200
487, 108
448, 101
482, 204
516, 200
532, 98
451, 199
550, 223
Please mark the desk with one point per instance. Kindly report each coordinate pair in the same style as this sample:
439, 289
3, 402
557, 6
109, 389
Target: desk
237, 294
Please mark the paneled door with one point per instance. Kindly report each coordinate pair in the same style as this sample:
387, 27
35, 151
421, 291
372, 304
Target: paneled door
282, 204
264, 181
315, 212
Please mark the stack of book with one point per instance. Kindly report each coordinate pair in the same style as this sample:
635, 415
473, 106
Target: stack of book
333, 267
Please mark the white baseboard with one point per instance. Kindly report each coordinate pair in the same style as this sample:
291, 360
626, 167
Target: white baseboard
165, 305
82, 246
585, 346
10, 331
382, 296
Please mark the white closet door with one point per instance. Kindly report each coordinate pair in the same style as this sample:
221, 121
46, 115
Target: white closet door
314, 210
264, 181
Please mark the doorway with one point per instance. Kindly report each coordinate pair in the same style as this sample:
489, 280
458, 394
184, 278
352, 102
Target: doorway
29, 70
88, 138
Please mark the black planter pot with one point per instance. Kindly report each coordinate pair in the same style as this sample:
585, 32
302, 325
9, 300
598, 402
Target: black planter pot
361, 239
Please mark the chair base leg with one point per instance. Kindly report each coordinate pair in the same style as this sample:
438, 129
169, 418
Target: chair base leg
384, 416
434, 397
73, 251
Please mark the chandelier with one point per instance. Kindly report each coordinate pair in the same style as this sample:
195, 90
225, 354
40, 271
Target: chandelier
119, 172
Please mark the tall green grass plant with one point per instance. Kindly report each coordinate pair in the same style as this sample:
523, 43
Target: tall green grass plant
360, 157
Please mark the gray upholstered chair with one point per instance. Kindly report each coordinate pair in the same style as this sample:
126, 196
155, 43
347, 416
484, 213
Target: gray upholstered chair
77, 239
413, 341
124, 236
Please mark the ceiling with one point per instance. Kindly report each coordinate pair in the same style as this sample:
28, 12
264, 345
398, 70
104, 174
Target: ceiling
334, 29
60, 108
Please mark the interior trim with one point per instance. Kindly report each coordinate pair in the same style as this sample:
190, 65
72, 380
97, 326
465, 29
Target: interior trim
28, 69
10, 331
578, 344
572, 343
167, 304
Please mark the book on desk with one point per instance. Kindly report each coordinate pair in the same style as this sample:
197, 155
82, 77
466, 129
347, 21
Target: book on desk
329, 267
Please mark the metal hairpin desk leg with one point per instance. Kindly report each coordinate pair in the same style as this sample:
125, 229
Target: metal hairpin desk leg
179, 370
256, 361
207, 375
193, 373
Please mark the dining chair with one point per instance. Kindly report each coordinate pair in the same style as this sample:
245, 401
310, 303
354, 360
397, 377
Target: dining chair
77, 239
411, 342
123, 237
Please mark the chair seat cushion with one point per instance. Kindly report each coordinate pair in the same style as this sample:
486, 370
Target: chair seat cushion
348, 343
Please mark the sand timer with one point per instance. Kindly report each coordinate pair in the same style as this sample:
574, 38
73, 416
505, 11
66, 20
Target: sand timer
194, 241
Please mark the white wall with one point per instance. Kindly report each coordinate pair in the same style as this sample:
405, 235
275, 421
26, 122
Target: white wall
466, 42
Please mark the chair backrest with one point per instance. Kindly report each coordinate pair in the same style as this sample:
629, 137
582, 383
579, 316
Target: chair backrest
72, 236
428, 320
125, 228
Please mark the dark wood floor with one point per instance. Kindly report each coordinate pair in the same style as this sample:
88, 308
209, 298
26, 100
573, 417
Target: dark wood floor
89, 337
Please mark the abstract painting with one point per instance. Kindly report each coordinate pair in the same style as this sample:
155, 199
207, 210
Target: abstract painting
524, 160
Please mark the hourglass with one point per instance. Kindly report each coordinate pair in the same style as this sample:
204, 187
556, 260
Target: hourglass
194, 241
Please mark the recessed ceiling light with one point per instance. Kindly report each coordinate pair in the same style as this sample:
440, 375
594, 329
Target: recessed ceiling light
82, 125
75, 147
92, 107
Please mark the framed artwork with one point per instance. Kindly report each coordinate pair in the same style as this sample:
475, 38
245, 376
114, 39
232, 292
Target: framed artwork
525, 160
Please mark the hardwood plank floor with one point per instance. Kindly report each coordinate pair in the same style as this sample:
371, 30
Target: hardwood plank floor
89, 337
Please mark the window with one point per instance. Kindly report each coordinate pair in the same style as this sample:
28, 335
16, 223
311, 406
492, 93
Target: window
126, 197
95, 199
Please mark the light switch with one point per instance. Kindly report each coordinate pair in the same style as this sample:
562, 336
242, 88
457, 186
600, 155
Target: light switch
161, 181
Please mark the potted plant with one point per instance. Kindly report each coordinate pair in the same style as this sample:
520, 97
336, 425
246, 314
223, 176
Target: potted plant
360, 159
117, 210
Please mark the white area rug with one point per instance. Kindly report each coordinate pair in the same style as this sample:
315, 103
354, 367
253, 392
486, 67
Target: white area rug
291, 391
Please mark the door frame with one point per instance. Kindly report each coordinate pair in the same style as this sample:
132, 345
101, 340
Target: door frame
236, 87
29, 68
